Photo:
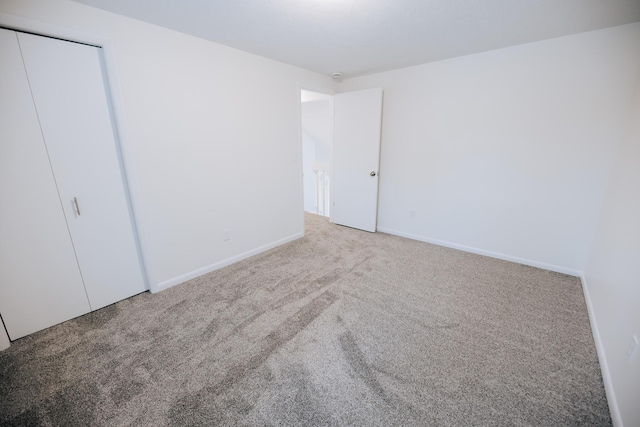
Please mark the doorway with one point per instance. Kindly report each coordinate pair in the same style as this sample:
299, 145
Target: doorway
316, 113
341, 155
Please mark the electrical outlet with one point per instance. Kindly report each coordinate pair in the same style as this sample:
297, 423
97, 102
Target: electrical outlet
632, 351
226, 235
412, 214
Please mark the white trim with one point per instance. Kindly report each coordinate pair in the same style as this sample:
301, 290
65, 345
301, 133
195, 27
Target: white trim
131, 177
220, 264
331, 93
20, 23
315, 88
616, 417
300, 152
331, 140
5, 343
117, 103
551, 267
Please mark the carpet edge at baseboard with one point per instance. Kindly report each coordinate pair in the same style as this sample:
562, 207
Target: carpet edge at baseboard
497, 255
616, 417
220, 264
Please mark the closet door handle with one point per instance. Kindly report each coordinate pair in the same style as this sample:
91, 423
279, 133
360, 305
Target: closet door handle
75, 203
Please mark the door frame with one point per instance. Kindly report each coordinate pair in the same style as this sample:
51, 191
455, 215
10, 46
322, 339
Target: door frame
330, 93
114, 94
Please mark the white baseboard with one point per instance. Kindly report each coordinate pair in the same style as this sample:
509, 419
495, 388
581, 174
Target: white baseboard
604, 367
551, 267
204, 270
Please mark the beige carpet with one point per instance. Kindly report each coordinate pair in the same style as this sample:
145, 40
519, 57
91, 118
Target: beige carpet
342, 327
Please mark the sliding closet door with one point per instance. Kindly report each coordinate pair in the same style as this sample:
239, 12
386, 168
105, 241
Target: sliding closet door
40, 284
69, 94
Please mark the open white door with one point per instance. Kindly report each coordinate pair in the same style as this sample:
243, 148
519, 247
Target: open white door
356, 157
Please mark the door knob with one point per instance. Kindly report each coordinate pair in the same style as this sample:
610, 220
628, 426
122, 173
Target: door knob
75, 203
373, 173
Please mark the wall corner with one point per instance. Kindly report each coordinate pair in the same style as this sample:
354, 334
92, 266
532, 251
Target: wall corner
614, 410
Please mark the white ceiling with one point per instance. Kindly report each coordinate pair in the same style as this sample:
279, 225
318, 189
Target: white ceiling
357, 37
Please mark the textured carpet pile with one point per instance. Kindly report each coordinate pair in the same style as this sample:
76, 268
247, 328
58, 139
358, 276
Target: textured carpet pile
341, 327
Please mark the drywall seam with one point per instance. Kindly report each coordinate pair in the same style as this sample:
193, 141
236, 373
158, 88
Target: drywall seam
551, 267
616, 417
218, 265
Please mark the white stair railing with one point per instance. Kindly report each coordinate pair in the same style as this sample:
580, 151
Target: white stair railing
322, 188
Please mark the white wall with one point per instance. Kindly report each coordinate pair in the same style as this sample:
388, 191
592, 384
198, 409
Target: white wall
316, 139
213, 134
612, 275
316, 123
506, 152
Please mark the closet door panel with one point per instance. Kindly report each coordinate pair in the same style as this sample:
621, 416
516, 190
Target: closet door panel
40, 283
69, 94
